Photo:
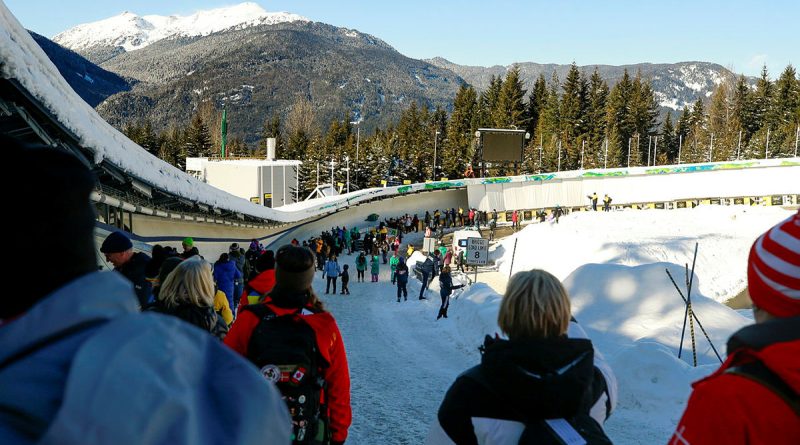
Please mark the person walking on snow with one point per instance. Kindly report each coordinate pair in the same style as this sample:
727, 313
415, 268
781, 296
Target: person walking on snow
331, 271
345, 279
446, 289
118, 250
593, 198
393, 264
402, 279
426, 268
752, 397
293, 297
375, 268
361, 267
606, 203
226, 274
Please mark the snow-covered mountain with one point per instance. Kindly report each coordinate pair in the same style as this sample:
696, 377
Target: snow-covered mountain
676, 85
129, 31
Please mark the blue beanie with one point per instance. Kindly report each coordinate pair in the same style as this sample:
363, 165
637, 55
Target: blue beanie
115, 243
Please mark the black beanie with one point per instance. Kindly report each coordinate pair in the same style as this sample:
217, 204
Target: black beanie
62, 226
266, 261
294, 269
116, 242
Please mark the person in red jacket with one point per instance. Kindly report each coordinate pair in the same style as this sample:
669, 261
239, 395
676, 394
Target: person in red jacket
293, 294
752, 397
262, 283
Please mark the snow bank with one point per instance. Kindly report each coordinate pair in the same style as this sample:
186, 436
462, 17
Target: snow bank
635, 237
634, 317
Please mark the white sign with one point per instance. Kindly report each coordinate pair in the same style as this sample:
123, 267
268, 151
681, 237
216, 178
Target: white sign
428, 245
477, 251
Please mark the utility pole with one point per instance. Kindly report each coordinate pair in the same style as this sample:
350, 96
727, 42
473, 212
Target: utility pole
317, 173
796, 136
711, 148
766, 150
358, 138
629, 152
347, 161
541, 148
559, 155
583, 146
649, 142
680, 146
605, 155
332, 183
435, 139
655, 151
739, 146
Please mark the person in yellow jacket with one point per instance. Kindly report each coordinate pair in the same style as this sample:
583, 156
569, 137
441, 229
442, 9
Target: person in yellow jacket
222, 307
409, 251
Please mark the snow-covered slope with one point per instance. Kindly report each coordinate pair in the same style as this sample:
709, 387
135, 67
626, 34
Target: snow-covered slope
638, 237
131, 31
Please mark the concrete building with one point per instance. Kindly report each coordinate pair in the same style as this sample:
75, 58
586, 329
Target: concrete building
271, 183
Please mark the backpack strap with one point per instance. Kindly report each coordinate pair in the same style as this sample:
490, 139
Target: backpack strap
760, 373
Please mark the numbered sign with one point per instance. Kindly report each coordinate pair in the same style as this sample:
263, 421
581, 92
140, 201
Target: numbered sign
477, 251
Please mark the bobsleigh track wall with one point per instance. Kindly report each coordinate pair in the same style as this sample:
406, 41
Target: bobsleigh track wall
157, 203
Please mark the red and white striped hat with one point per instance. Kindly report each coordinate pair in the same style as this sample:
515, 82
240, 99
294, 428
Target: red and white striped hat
773, 269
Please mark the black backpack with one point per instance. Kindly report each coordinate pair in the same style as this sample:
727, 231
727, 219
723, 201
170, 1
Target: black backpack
285, 350
543, 432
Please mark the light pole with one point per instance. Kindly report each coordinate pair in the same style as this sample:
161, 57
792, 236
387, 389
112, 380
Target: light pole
605, 155
583, 147
435, 139
629, 152
332, 183
347, 168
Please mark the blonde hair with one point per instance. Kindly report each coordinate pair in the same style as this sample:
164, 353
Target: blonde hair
535, 305
191, 282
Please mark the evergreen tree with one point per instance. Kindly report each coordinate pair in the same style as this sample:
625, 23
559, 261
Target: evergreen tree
459, 132
549, 129
668, 143
509, 111
596, 121
696, 147
536, 102
621, 126
198, 138
720, 125
272, 129
572, 109
784, 113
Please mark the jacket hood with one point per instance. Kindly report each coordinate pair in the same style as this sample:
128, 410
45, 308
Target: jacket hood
776, 343
542, 378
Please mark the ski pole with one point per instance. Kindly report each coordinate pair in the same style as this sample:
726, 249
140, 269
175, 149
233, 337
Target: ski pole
694, 314
685, 311
689, 303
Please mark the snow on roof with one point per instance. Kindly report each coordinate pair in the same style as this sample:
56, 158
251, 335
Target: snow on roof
248, 162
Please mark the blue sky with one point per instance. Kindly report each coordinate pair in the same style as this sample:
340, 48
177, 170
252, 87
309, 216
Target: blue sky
742, 35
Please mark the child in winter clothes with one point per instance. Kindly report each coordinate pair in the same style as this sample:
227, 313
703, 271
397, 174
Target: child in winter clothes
361, 267
376, 267
345, 279
401, 275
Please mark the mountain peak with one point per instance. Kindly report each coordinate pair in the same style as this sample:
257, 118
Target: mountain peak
131, 31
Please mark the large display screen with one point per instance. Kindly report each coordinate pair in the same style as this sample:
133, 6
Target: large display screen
502, 146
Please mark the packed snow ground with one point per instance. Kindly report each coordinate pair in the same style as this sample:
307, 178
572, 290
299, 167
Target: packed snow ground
724, 234
402, 360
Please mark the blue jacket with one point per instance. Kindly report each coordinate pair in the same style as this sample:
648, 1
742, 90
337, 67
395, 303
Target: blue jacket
85, 366
225, 274
331, 269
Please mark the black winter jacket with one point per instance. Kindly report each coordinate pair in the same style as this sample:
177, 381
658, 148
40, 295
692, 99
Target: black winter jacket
135, 271
530, 380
